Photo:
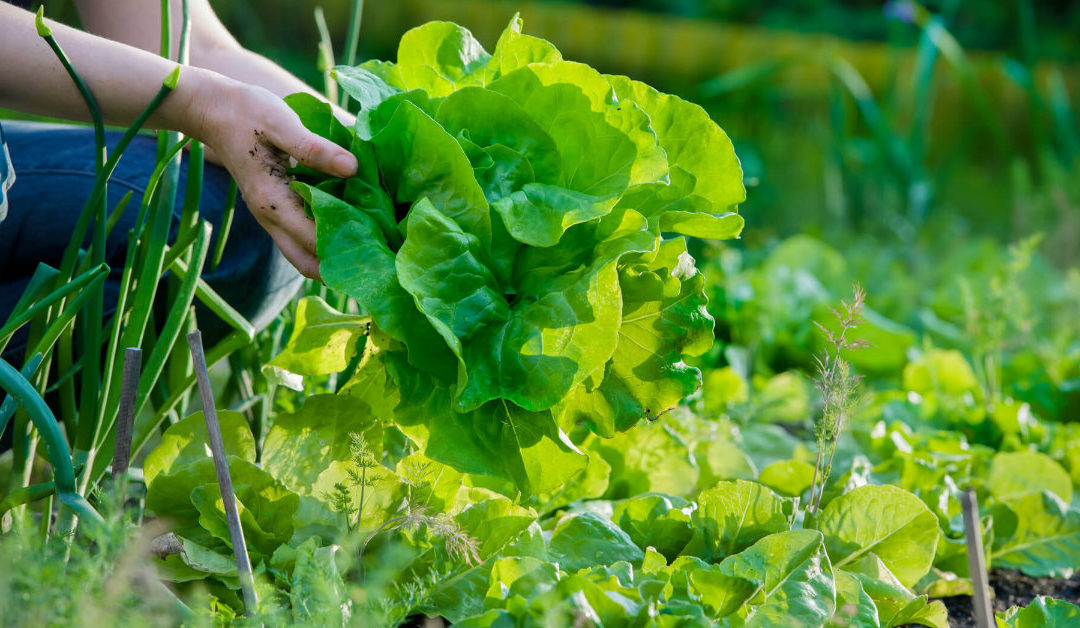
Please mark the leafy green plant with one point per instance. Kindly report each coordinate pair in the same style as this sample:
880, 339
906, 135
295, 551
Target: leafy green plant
316, 483
504, 232
1043, 611
1001, 320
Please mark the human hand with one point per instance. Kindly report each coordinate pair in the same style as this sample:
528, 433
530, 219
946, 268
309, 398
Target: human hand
254, 134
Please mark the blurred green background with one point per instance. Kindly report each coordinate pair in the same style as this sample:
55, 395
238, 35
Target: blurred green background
851, 118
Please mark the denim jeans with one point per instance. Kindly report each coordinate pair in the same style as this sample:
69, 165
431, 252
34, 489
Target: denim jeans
54, 173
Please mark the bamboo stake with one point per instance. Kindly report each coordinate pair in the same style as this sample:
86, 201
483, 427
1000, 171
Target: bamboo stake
129, 386
217, 449
984, 615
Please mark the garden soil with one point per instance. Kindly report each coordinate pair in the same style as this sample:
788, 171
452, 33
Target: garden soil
1012, 588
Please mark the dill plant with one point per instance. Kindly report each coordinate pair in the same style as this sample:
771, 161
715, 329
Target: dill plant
91, 579
839, 388
363, 460
458, 543
1002, 319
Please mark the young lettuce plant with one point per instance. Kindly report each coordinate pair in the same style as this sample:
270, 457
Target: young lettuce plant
839, 388
505, 232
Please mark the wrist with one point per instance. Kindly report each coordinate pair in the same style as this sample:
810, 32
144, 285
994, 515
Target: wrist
199, 105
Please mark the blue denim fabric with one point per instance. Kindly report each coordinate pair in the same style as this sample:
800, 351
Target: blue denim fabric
55, 166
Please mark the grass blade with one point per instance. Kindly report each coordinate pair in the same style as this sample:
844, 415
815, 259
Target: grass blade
226, 225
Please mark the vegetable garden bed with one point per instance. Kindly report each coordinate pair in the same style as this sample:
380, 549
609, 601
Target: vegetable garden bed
1013, 588
519, 401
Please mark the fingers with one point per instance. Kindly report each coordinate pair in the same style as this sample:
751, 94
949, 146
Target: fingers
257, 152
298, 255
293, 232
281, 213
294, 235
312, 150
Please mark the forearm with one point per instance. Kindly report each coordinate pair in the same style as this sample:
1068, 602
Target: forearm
136, 22
122, 79
243, 65
251, 130
246, 66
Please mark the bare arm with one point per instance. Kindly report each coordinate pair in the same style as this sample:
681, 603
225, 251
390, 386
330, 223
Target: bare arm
137, 23
249, 127
34, 81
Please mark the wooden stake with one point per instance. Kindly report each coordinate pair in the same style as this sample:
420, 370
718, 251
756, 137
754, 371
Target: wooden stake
980, 584
228, 497
129, 388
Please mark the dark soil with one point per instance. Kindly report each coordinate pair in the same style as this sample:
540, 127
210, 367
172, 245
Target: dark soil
423, 621
1012, 588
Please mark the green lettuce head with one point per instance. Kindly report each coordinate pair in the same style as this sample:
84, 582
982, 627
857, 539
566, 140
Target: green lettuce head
504, 230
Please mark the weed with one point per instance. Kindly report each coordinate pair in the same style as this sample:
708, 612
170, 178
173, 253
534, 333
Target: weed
1003, 320
839, 388
362, 461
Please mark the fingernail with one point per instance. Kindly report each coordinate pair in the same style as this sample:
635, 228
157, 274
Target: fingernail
344, 164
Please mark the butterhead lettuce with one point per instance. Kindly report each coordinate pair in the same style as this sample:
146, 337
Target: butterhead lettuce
514, 231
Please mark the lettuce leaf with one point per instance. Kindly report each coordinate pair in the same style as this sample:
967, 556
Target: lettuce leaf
506, 232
